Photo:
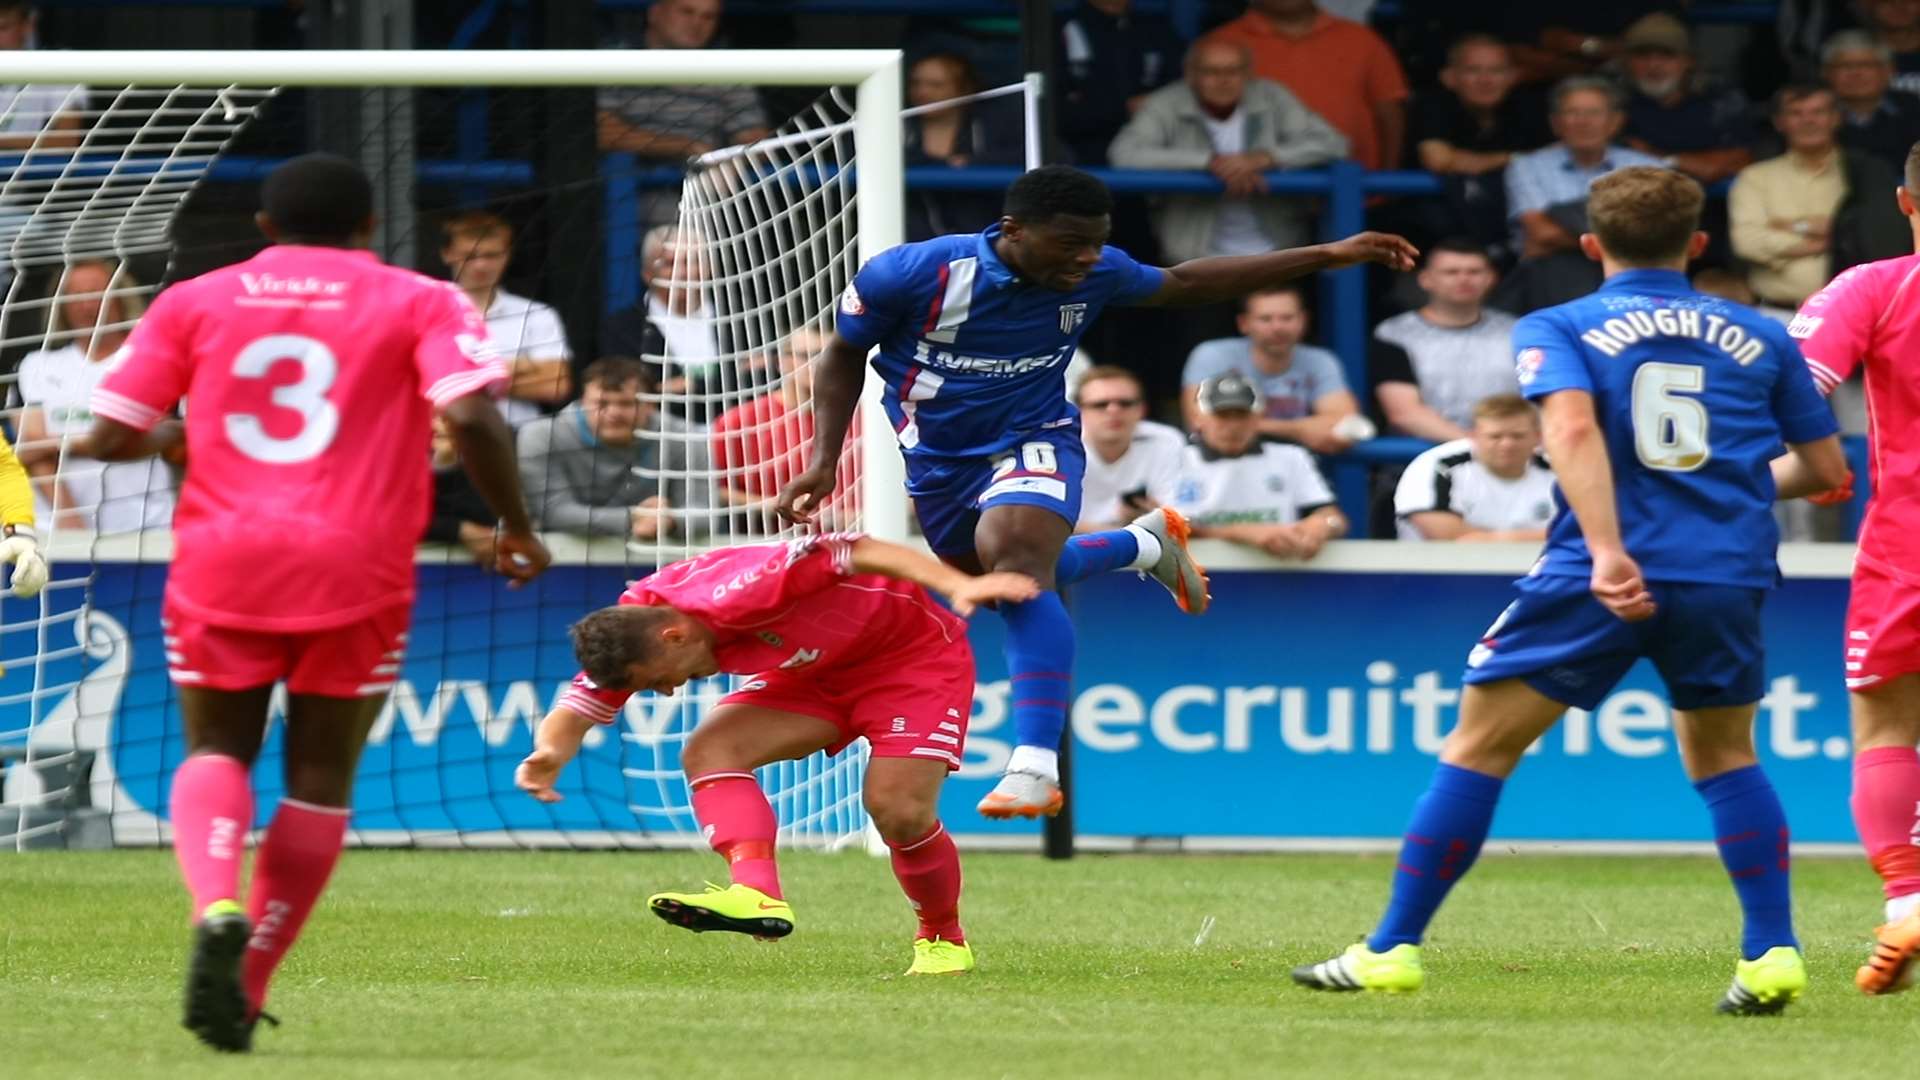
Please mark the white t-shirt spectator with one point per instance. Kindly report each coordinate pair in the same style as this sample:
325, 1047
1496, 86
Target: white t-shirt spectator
124, 496
1447, 478
1151, 464
1273, 483
1455, 367
519, 327
1290, 395
27, 110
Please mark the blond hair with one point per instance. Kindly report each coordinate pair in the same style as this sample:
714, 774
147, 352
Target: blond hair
1644, 215
1502, 406
122, 288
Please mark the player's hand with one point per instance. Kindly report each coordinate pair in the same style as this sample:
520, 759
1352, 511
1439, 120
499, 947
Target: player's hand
999, 586
802, 499
169, 439
520, 557
1390, 251
1835, 496
1617, 584
22, 552
536, 775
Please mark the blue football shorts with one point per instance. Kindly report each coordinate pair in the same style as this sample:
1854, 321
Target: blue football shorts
1043, 469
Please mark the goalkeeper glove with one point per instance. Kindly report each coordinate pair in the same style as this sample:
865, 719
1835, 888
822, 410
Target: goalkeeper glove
20, 550
1834, 496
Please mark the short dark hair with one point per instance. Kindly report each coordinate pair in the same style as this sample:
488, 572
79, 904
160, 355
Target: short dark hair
1645, 215
472, 226
1912, 171
1793, 93
317, 197
613, 371
1246, 302
1457, 245
1052, 190
609, 641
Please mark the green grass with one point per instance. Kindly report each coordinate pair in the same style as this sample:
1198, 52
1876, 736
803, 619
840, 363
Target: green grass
471, 965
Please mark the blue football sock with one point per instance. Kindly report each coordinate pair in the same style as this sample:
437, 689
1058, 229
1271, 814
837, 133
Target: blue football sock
1095, 553
1750, 829
1040, 660
1449, 824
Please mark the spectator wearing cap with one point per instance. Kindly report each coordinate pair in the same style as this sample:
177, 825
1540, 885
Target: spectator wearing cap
1875, 117
1706, 134
1304, 390
1236, 485
1492, 485
1133, 463
1431, 366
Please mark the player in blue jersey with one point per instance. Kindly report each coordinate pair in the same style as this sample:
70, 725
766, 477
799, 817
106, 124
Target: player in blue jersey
1662, 409
973, 335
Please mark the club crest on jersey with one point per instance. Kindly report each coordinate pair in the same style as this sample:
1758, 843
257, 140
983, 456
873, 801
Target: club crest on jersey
1527, 365
850, 302
770, 638
1072, 315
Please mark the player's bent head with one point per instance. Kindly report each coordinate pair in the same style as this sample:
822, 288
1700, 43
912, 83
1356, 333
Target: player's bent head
636, 647
1053, 225
1645, 216
317, 199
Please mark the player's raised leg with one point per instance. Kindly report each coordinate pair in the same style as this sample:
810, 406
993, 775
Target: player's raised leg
1498, 721
1028, 539
902, 796
1750, 829
1886, 812
734, 815
1156, 545
211, 811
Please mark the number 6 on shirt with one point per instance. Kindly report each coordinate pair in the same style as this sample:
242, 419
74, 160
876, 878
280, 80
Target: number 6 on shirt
319, 419
1035, 457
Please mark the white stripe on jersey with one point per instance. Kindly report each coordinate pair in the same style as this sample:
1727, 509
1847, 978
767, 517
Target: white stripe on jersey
925, 385
956, 305
1823, 376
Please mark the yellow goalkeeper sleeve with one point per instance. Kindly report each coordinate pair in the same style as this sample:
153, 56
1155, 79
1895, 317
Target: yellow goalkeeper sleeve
16, 492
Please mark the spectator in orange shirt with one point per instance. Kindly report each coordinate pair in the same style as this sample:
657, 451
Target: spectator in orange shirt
759, 446
1340, 69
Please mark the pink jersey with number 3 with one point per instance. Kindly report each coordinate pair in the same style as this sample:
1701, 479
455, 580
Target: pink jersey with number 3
1870, 316
310, 375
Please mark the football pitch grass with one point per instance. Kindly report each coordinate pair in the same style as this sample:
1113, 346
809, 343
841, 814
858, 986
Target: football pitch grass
508, 964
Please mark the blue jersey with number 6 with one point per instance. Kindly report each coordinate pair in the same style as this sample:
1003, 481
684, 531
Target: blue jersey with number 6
1695, 396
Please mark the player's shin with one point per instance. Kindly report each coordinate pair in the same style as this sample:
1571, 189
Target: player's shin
1449, 825
1886, 793
928, 869
739, 824
211, 809
1039, 650
295, 861
1750, 829
1098, 553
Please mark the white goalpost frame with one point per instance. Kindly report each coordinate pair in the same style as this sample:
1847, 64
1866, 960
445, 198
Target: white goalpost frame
879, 207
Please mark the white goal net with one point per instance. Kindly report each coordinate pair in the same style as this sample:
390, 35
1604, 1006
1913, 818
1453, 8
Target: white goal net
155, 182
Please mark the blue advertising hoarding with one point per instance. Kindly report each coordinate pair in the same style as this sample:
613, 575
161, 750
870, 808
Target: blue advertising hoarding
1304, 705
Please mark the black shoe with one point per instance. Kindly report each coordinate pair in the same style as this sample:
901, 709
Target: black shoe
216, 1006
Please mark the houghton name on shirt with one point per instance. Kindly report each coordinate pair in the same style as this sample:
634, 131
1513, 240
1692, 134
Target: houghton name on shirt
1633, 327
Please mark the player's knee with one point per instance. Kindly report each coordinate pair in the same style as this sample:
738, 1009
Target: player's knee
706, 753
902, 814
320, 785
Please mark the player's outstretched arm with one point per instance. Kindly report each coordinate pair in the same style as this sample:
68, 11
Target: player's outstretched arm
111, 440
1818, 468
1578, 450
1217, 278
485, 444
963, 590
837, 378
555, 742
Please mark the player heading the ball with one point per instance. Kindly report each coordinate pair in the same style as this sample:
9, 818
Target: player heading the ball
314, 371
1661, 409
971, 335
841, 640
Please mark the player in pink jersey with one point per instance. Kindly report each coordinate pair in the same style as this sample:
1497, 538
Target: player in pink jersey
314, 371
1869, 317
841, 640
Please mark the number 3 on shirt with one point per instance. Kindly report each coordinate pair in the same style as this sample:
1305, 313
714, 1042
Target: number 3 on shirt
1669, 429
1034, 457
319, 420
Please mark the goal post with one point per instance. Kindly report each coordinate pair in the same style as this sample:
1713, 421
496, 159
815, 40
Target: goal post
72, 670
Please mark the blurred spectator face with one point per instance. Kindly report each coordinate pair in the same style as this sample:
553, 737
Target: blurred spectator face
674, 261
1275, 323
683, 24
1457, 279
1657, 73
1586, 121
478, 261
1110, 409
1504, 443
16, 28
1809, 124
936, 79
1218, 76
796, 361
1859, 75
1229, 431
613, 412
1480, 75
1283, 9
78, 309
1893, 14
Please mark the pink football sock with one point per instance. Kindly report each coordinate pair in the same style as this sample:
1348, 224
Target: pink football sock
1886, 812
211, 808
929, 873
289, 874
739, 823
